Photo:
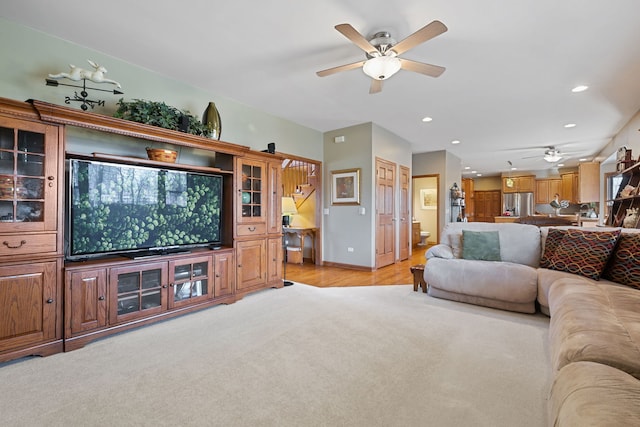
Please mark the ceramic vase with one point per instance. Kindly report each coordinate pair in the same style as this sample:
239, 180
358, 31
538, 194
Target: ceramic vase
211, 118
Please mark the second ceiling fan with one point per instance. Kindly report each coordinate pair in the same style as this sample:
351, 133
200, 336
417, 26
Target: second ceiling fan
382, 54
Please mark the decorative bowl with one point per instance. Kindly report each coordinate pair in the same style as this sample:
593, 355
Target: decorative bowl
162, 155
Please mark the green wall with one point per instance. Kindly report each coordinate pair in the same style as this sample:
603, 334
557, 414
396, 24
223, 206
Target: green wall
28, 56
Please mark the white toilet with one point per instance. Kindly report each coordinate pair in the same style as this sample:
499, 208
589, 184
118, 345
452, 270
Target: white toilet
424, 235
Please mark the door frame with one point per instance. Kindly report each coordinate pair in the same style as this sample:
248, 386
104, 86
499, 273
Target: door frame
438, 199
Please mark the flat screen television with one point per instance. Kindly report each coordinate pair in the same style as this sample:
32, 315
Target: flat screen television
140, 210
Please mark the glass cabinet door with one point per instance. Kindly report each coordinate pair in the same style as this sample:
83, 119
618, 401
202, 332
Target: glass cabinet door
251, 190
138, 290
28, 174
189, 281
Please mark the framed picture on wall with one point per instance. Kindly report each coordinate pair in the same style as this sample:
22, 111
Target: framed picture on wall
428, 198
345, 188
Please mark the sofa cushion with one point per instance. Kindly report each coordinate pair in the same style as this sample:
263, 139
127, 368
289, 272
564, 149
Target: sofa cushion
519, 243
624, 265
481, 245
584, 252
551, 243
490, 281
547, 277
592, 321
592, 394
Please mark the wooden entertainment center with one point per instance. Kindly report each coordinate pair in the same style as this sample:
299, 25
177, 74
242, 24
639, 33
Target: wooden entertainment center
49, 304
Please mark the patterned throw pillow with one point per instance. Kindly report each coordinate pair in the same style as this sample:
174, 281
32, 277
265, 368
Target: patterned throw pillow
624, 266
551, 243
584, 252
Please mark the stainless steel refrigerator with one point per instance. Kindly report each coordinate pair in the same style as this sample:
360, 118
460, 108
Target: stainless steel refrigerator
519, 204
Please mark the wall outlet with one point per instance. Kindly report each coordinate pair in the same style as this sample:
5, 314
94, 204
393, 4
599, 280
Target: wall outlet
349, 249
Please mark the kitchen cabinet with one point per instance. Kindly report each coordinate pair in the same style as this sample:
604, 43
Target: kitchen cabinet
569, 188
518, 184
546, 189
588, 182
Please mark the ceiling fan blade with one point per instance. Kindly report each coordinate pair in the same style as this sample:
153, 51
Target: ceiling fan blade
356, 38
425, 33
422, 68
376, 86
334, 70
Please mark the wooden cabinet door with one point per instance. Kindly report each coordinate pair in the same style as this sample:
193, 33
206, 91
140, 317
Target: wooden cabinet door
274, 260
224, 282
555, 187
526, 184
588, 182
29, 304
87, 305
568, 187
251, 256
251, 185
274, 202
29, 178
542, 191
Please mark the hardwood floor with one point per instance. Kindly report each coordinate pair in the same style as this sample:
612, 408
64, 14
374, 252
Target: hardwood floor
395, 274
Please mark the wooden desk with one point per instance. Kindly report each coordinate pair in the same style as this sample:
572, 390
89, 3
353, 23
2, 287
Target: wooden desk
302, 233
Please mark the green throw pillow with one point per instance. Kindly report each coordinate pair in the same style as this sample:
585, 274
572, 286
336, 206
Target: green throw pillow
481, 245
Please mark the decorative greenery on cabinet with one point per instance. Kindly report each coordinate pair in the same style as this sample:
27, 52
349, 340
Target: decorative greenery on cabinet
160, 114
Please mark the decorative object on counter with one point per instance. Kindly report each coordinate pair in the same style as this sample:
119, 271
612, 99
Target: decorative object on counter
162, 155
211, 119
160, 114
631, 219
77, 74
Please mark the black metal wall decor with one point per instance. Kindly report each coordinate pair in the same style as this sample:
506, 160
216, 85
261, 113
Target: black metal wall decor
78, 74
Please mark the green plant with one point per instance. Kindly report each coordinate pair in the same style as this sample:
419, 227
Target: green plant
159, 114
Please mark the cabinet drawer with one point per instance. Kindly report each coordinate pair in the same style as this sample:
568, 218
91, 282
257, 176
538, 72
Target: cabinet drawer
22, 244
252, 229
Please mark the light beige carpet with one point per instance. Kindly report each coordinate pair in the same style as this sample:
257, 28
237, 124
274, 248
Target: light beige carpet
298, 356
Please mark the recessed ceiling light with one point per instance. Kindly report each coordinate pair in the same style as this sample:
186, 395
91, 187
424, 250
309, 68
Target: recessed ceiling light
426, 119
514, 168
570, 125
560, 165
580, 88
474, 171
467, 168
479, 174
455, 141
582, 160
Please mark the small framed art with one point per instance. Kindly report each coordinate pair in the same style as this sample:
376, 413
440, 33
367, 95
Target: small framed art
345, 188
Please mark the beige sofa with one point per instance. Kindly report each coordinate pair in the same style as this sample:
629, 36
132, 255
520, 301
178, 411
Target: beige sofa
594, 333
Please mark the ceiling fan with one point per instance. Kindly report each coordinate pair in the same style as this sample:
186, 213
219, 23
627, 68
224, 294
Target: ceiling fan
551, 155
382, 53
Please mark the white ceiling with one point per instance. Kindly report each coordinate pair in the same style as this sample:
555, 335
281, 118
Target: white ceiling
506, 93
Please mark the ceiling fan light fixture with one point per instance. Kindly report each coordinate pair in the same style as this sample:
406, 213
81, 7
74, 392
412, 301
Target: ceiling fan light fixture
381, 67
552, 157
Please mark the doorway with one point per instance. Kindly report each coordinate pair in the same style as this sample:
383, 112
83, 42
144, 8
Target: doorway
425, 210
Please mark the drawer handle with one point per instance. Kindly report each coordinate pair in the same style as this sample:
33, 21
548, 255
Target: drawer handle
7, 244
252, 229
101, 298
50, 301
